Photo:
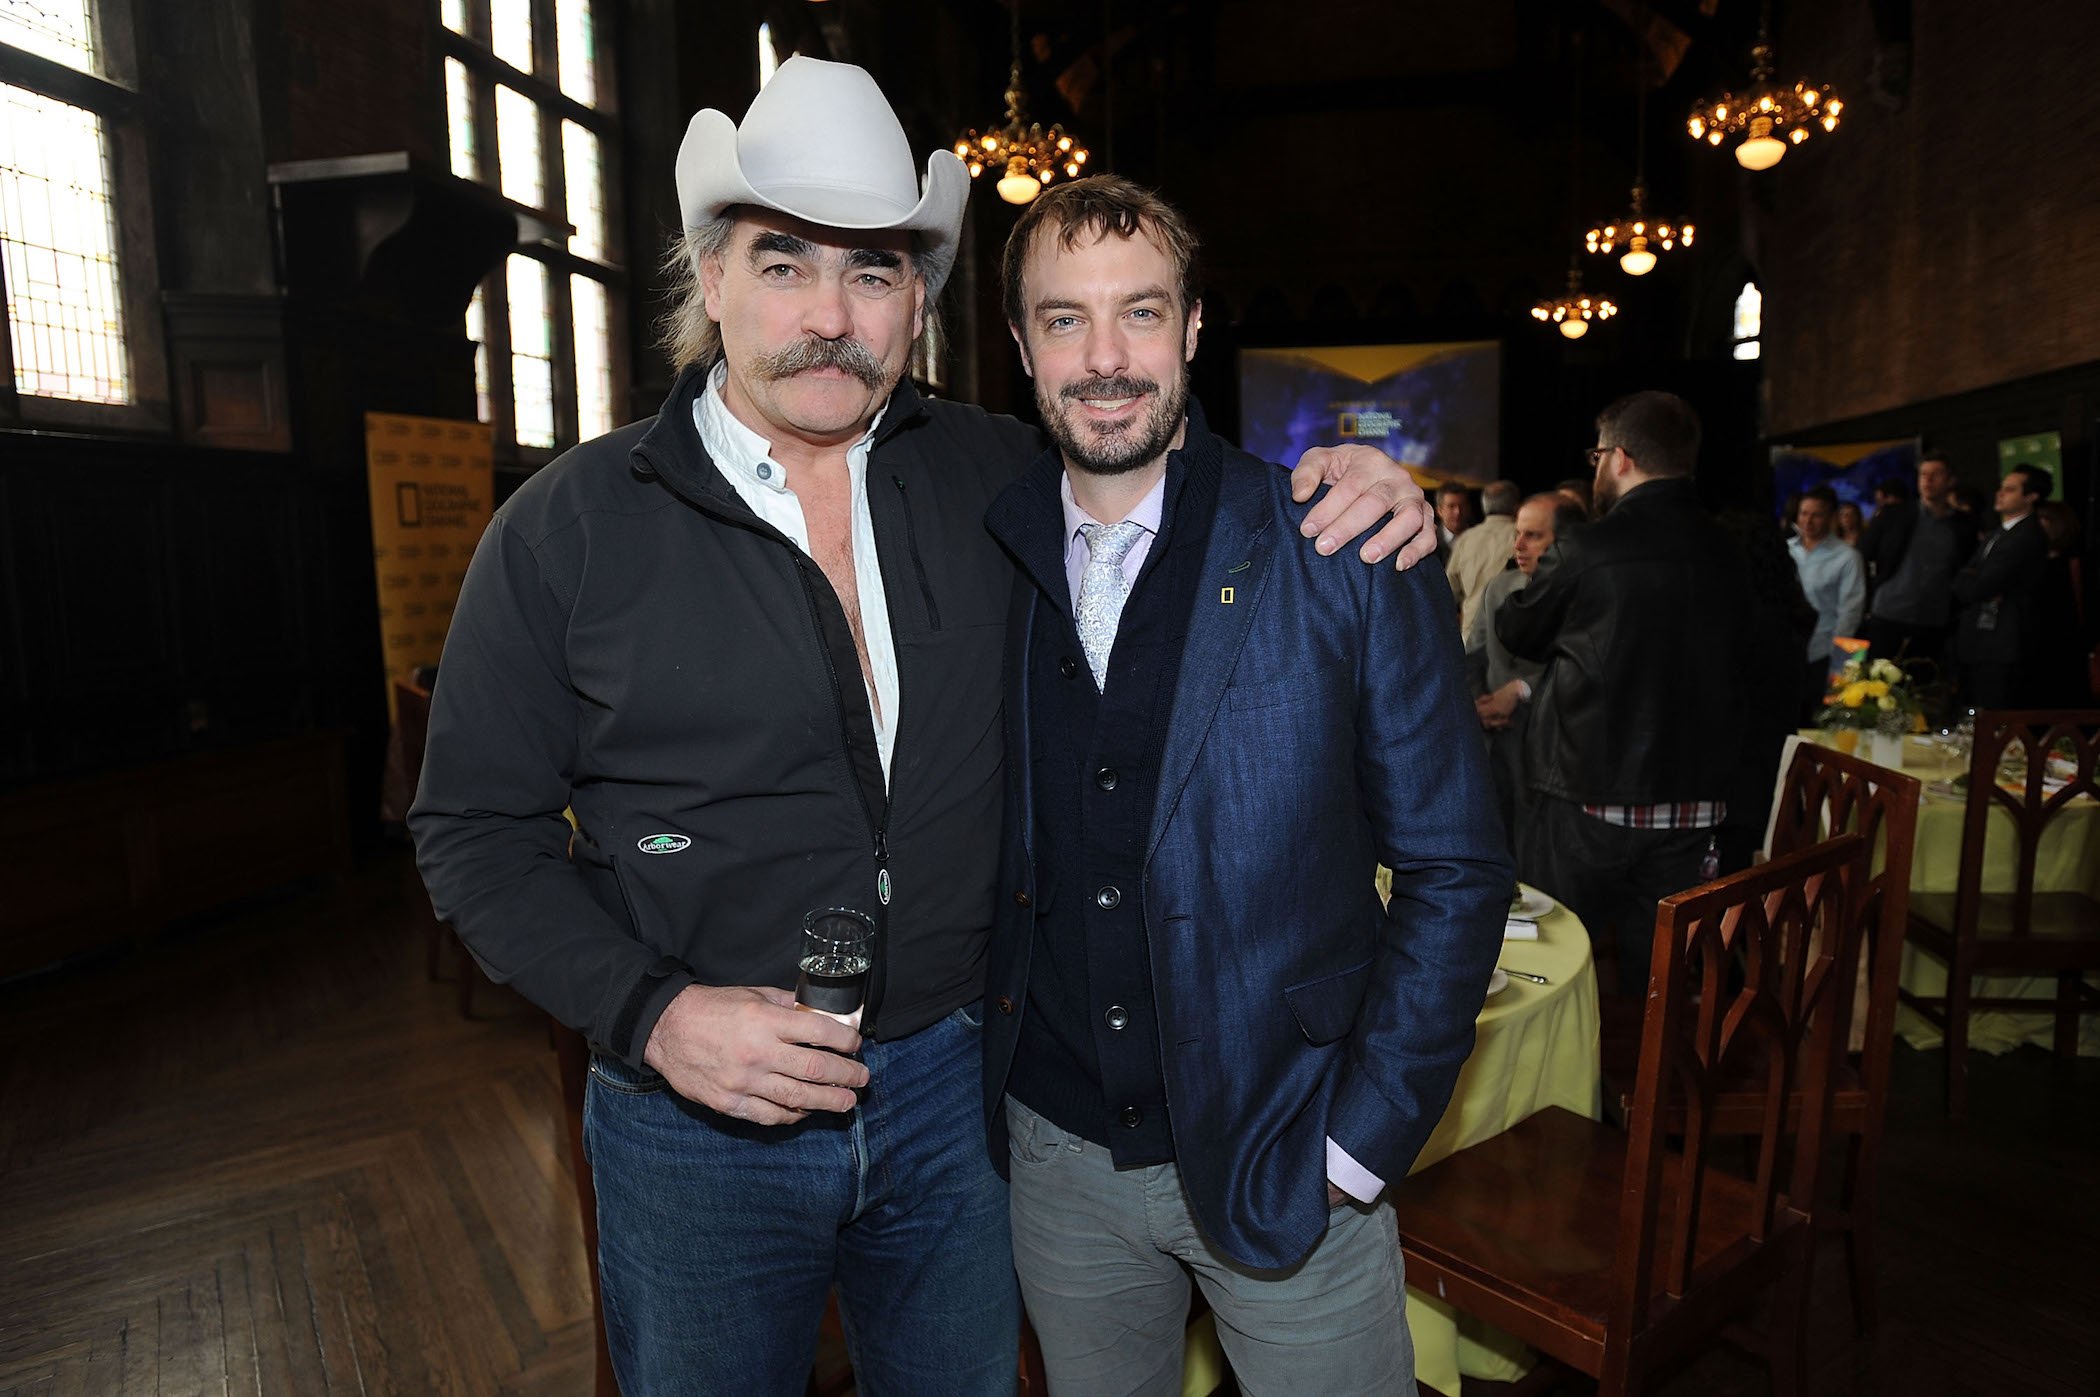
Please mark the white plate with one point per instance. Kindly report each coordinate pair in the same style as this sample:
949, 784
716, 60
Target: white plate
1533, 904
1497, 982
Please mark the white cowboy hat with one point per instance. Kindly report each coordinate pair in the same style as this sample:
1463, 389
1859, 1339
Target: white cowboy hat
820, 143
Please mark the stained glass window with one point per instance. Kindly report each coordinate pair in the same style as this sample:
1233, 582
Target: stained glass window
524, 92
594, 385
510, 32
1749, 321
576, 51
518, 147
586, 190
531, 352
459, 117
60, 30
58, 237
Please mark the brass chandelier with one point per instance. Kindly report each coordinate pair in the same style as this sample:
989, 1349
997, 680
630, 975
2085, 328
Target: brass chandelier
1641, 236
1767, 116
1574, 310
1027, 156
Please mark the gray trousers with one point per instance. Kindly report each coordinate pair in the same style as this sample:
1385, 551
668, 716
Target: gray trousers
1105, 1256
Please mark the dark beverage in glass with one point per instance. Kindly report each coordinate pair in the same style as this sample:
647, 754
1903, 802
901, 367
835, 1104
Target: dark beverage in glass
838, 950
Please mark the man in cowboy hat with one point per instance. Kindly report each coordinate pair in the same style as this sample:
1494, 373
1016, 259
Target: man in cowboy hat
752, 647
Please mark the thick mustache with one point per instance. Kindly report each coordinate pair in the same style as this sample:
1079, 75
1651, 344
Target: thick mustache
1098, 388
848, 356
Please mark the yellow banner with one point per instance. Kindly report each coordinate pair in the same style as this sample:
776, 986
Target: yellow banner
432, 492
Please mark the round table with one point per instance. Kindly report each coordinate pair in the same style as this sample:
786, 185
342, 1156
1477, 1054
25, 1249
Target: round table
1534, 1046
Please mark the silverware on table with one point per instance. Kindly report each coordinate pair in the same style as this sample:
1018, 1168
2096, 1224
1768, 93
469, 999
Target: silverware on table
1524, 975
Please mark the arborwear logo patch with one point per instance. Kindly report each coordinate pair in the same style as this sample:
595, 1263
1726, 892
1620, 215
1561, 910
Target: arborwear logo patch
663, 844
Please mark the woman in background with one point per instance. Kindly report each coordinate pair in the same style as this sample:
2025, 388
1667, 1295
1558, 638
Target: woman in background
1850, 523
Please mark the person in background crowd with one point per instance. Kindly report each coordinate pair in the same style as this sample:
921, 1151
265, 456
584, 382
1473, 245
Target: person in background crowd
1148, 1085
1578, 492
1483, 550
1977, 517
1638, 619
1912, 549
1835, 582
1781, 622
1889, 492
1454, 512
2060, 673
764, 684
1502, 683
1850, 524
1995, 635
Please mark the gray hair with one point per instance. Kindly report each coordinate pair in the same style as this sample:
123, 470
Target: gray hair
688, 334
1500, 497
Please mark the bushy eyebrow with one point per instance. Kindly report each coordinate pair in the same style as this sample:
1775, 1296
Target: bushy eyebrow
782, 245
880, 257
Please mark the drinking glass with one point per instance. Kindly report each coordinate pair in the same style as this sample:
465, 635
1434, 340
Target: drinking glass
838, 951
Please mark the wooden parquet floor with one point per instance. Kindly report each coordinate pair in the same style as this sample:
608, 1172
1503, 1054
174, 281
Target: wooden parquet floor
269, 1156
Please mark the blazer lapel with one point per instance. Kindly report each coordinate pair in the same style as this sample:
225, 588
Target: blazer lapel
1242, 543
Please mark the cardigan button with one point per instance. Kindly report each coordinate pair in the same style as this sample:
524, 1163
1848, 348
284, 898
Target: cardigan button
1068, 667
1105, 778
1109, 898
1021, 897
1118, 1017
1132, 1117
1003, 1004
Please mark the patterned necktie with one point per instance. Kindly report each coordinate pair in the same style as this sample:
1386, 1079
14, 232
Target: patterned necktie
1103, 590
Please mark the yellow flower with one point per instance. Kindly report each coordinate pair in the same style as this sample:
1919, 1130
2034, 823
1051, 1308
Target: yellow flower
1853, 695
1874, 688
1887, 704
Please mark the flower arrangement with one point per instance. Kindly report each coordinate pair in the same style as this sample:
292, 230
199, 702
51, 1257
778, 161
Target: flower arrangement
1868, 694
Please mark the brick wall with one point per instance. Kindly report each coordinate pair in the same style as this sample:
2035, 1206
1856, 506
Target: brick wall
1947, 246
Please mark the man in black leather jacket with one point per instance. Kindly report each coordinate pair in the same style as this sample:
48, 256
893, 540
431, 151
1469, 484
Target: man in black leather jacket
1638, 620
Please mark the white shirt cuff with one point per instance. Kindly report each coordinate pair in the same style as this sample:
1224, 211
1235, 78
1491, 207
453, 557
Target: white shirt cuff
1350, 1177
1524, 690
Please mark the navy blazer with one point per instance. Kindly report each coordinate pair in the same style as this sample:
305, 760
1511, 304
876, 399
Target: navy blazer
1321, 725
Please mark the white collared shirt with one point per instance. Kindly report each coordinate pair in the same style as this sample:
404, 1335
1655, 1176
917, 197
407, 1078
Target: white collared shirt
746, 460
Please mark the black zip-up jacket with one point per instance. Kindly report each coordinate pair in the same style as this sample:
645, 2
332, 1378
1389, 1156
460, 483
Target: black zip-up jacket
633, 644
1641, 619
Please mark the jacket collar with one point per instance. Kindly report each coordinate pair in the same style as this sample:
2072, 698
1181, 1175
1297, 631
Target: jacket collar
1028, 516
671, 448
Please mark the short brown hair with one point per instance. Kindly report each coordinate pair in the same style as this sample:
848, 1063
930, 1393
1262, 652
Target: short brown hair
1100, 205
1660, 431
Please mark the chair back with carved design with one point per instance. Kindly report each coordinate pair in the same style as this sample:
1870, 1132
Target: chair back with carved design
1750, 977
2027, 771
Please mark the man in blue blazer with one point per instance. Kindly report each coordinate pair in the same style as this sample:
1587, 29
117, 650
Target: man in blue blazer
1207, 1042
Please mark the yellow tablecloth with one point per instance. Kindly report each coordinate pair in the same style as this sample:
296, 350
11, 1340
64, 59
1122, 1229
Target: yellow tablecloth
1534, 1046
2068, 861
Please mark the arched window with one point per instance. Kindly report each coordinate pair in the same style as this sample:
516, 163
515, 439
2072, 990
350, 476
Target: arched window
1749, 321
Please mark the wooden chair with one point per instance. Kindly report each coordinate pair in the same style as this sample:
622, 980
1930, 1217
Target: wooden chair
1613, 1253
1829, 792
2023, 931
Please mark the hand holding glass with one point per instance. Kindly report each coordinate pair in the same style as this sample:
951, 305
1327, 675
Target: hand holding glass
838, 950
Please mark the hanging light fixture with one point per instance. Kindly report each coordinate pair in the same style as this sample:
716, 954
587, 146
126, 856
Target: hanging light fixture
1027, 156
1573, 311
1767, 117
1640, 235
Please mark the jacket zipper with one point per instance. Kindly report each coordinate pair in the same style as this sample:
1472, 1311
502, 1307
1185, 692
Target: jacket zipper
878, 831
918, 564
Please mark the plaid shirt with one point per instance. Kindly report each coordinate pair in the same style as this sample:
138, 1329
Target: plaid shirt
1684, 814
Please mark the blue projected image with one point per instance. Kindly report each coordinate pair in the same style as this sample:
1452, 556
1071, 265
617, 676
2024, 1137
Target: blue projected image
1434, 408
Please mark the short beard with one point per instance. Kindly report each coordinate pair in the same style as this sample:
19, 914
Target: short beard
1126, 446
848, 356
1604, 492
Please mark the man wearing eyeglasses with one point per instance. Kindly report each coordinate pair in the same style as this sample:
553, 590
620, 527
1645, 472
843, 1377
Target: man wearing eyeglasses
1637, 620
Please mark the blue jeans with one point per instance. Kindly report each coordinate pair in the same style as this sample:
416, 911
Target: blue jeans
718, 1240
